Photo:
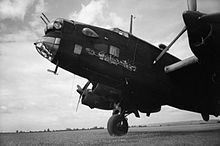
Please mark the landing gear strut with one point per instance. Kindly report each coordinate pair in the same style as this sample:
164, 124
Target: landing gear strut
117, 125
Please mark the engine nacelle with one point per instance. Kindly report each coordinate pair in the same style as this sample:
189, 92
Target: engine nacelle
101, 97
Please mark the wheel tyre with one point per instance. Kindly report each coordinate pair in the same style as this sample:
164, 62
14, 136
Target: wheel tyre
117, 125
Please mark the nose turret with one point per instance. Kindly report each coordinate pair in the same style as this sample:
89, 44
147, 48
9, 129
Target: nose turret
48, 47
55, 26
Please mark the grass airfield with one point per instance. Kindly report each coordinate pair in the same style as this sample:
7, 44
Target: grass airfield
181, 133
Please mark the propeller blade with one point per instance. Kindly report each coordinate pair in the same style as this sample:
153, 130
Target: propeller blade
81, 91
192, 5
78, 102
211, 18
86, 85
168, 47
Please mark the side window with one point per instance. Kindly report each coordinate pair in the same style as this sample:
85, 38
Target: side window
114, 51
77, 49
101, 47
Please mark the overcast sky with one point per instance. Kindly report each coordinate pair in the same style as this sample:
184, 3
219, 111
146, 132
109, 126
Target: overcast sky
33, 99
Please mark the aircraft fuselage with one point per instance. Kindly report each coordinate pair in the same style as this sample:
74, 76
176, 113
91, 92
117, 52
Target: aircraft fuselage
122, 61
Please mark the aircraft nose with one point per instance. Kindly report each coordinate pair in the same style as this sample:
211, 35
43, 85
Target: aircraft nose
48, 47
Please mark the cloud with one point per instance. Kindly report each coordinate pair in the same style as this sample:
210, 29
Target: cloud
20, 67
14, 9
2, 27
208, 6
4, 109
40, 7
89, 14
22, 31
97, 13
36, 94
20, 36
36, 23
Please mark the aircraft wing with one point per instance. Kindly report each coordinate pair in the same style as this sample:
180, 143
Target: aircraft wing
187, 72
197, 88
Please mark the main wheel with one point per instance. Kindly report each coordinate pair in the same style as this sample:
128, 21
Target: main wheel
117, 125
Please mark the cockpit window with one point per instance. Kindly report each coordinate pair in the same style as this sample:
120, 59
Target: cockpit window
89, 32
77, 49
50, 40
114, 51
120, 32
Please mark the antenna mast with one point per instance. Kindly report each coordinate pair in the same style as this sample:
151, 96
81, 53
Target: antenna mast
131, 23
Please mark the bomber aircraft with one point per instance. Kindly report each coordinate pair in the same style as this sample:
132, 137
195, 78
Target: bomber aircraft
129, 75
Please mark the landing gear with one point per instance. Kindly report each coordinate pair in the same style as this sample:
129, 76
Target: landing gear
117, 125
205, 116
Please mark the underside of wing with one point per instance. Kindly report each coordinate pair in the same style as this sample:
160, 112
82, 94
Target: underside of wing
200, 92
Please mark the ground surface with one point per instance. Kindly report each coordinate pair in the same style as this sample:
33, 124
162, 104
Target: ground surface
199, 134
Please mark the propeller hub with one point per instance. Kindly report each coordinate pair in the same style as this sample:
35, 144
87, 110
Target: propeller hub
191, 18
198, 31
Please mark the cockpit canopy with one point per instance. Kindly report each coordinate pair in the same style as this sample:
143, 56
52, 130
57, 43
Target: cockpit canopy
120, 32
90, 33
